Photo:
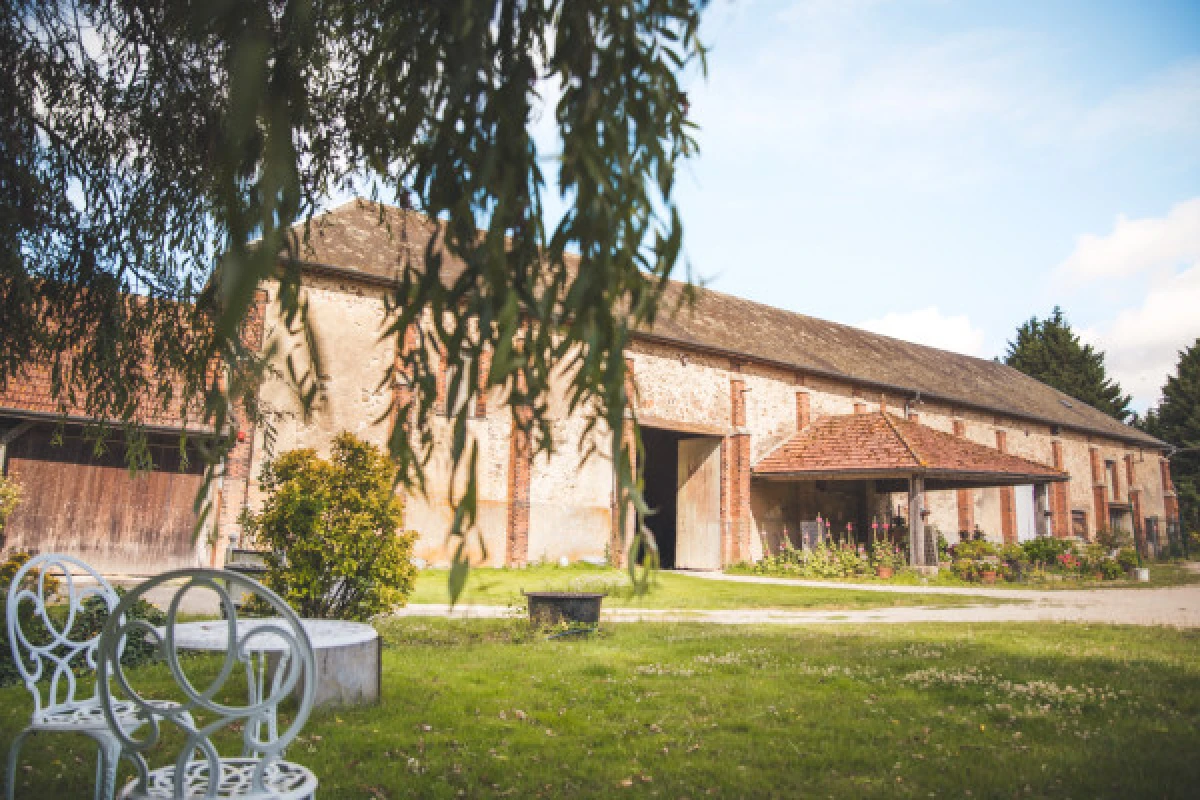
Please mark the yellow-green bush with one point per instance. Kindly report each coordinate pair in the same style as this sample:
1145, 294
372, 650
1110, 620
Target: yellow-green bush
10, 495
331, 531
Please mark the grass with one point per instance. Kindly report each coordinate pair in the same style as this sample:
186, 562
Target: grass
487, 586
488, 709
1162, 575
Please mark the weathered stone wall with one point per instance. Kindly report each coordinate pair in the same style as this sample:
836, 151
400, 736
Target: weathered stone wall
556, 505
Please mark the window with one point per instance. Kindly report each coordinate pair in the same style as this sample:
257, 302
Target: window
1110, 469
1079, 524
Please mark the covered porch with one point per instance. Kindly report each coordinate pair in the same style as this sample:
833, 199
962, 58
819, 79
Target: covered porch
856, 471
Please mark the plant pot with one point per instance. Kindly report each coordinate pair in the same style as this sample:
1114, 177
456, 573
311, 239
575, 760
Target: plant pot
884, 572
557, 608
1141, 575
989, 576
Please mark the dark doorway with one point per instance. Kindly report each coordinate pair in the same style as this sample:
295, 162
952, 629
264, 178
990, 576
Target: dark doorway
661, 469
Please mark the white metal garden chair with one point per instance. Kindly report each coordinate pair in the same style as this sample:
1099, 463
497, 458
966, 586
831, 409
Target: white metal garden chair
198, 770
48, 669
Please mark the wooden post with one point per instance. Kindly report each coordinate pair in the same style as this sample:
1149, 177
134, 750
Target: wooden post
1041, 509
916, 522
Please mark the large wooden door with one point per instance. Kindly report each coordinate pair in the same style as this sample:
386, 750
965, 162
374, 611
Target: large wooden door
698, 508
89, 506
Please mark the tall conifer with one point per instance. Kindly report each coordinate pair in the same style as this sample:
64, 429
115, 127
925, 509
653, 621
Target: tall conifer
1177, 422
1047, 349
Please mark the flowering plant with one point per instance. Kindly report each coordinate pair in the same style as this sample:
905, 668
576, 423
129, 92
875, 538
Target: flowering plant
886, 554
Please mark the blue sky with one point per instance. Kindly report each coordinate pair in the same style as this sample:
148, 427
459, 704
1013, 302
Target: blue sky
940, 170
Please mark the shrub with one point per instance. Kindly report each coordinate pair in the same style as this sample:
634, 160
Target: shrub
10, 496
823, 561
331, 532
974, 549
886, 554
1127, 559
1045, 549
1015, 560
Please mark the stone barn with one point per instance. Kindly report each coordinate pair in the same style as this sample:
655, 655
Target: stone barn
756, 422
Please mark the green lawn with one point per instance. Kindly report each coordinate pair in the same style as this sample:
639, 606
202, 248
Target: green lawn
488, 709
669, 590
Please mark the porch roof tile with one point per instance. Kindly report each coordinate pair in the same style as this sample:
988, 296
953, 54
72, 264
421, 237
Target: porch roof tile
884, 445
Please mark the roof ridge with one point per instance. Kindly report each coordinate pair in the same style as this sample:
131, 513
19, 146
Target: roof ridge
903, 440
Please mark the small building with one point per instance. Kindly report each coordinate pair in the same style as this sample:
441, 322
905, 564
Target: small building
755, 421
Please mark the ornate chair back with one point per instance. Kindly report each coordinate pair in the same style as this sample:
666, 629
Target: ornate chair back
46, 648
204, 710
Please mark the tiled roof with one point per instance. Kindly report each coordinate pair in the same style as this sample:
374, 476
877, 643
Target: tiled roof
28, 394
878, 445
351, 238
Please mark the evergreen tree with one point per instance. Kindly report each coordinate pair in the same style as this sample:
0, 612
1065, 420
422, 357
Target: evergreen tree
1177, 422
1047, 349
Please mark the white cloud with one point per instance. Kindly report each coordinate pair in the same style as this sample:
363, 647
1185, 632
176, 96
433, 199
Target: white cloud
1137, 246
930, 327
1142, 343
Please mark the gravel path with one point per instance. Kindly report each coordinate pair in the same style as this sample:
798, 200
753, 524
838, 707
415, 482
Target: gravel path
1176, 606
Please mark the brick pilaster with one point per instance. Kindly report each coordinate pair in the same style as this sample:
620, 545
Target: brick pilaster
520, 457
735, 480
1099, 488
860, 408
803, 410
239, 461
965, 498
616, 543
1061, 520
1170, 500
1008, 502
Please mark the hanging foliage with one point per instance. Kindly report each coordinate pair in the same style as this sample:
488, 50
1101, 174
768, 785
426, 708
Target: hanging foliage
155, 156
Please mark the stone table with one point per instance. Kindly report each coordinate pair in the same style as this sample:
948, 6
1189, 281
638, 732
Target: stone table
347, 653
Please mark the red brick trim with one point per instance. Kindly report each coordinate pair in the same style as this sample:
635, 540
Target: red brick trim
1008, 502
519, 468
1099, 490
735, 481
803, 410
1061, 519
239, 461
965, 498
737, 402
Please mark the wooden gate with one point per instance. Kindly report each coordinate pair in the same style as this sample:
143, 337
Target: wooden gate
89, 506
698, 508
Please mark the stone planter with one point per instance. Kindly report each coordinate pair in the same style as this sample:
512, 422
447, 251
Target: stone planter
557, 608
884, 572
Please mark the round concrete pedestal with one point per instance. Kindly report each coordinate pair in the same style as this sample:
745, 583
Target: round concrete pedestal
348, 661
347, 654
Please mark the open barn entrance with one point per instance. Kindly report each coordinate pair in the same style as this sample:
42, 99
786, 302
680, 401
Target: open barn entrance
683, 488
